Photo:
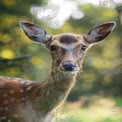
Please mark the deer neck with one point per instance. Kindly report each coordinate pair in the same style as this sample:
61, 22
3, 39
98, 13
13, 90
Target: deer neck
53, 90
61, 80
57, 88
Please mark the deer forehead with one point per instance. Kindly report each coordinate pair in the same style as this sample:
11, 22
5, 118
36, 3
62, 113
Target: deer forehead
68, 40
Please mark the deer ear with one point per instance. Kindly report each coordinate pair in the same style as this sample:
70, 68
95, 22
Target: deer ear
34, 32
99, 33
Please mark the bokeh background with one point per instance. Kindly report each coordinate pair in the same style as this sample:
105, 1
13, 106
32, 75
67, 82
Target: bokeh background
97, 95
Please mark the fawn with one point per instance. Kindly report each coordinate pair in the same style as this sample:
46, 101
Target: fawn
28, 101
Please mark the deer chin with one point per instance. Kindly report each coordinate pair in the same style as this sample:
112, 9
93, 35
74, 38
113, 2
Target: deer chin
68, 72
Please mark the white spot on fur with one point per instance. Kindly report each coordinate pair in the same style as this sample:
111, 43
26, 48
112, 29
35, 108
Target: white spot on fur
9, 120
21, 90
17, 78
23, 82
16, 115
6, 108
5, 95
23, 99
18, 100
12, 99
28, 88
5, 102
1, 109
3, 118
11, 91
28, 83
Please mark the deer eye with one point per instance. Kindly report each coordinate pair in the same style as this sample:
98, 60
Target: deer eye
53, 48
83, 48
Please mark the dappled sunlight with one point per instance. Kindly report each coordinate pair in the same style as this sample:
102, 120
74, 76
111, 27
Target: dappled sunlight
9, 23
106, 80
12, 71
6, 38
55, 14
7, 54
99, 62
105, 16
9, 3
38, 62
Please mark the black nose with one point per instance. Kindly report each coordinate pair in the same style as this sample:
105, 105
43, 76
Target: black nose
69, 66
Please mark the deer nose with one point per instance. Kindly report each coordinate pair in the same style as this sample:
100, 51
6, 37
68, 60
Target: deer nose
69, 66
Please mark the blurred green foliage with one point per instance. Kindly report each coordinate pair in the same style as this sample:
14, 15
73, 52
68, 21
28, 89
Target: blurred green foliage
19, 57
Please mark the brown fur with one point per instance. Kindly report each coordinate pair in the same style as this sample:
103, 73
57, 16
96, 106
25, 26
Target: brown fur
67, 39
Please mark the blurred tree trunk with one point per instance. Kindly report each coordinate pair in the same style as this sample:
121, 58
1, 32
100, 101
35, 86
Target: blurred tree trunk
119, 12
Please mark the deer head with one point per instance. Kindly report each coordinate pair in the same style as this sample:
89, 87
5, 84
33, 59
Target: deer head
67, 50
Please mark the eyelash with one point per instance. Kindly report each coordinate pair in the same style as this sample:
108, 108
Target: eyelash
83, 47
53, 48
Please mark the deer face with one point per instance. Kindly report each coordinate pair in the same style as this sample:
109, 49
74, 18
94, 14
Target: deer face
67, 50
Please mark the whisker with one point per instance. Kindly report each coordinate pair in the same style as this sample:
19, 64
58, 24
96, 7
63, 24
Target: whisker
89, 56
